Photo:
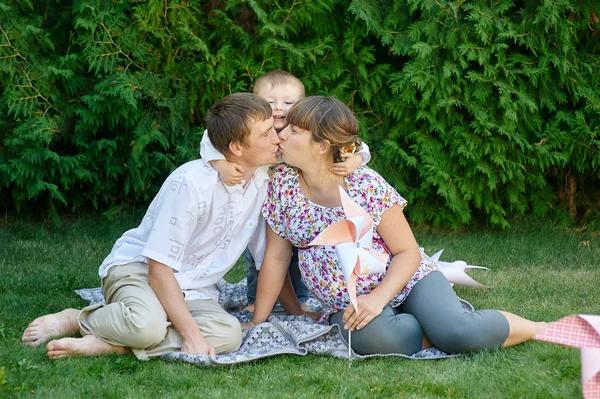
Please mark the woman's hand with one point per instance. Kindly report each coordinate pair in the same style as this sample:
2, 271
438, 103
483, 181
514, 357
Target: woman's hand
369, 306
197, 346
316, 316
248, 325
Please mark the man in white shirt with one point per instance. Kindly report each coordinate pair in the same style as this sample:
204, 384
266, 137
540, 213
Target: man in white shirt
159, 280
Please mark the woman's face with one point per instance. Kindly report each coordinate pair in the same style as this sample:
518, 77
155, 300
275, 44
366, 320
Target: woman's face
297, 147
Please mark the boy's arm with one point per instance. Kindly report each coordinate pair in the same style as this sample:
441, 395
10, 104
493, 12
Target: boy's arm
231, 173
168, 291
364, 153
352, 161
207, 151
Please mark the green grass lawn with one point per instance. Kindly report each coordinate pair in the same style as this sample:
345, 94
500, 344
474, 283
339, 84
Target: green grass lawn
538, 271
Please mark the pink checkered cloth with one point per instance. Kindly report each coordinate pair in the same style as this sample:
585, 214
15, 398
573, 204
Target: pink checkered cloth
580, 331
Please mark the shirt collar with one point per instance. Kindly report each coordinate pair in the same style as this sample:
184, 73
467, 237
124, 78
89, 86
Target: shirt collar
260, 176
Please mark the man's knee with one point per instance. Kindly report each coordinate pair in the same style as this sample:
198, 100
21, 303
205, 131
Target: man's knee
230, 335
145, 333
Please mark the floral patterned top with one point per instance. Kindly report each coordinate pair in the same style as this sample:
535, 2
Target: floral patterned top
293, 217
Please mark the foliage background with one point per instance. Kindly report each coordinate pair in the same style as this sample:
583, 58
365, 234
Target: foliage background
475, 111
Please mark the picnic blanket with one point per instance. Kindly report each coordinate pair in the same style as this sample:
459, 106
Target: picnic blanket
281, 334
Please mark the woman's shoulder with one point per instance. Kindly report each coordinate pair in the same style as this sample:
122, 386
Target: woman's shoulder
281, 170
282, 179
365, 175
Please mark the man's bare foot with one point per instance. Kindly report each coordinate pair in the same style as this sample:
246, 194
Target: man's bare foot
86, 346
44, 328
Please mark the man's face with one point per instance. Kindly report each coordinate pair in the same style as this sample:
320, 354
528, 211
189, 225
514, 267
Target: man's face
262, 143
281, 98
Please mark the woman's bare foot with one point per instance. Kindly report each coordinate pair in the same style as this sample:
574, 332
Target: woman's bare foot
86, 346
44, 328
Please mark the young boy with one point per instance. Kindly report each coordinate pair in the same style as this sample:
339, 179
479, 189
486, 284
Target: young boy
159, 281
282, 90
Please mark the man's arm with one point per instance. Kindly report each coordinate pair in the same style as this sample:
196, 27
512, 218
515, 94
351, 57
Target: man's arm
165, 286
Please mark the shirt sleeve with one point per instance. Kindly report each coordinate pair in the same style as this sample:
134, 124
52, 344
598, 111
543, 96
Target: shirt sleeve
364, 153
173, 216
273, 209
207, 151
378, 194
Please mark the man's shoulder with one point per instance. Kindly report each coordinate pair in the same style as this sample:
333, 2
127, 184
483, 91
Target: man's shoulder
197, 174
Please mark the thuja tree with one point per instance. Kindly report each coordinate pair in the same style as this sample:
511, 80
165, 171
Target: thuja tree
495, 106
474, 110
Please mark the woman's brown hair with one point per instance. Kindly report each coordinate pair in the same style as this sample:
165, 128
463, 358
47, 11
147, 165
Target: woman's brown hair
329, 120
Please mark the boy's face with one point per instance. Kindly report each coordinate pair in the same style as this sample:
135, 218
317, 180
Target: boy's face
281, 98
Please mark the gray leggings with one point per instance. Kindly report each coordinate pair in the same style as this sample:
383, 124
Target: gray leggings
432, 309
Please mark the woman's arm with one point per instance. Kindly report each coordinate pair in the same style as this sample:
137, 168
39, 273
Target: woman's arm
406, 258
272, 275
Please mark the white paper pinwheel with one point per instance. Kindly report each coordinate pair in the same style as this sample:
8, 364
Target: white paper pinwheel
353, 239
455, 271
581, 331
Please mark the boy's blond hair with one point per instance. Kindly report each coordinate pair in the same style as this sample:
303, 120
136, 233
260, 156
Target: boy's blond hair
276, 78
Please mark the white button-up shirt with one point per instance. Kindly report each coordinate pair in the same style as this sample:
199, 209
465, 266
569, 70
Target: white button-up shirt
196, 225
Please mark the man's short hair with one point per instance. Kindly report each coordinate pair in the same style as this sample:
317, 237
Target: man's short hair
276, 78
227, 121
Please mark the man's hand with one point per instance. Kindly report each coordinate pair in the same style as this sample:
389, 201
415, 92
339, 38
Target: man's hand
198, 346
231, 173
369, 307
351, 163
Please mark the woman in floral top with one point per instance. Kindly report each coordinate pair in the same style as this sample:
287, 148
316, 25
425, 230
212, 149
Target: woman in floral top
410, 306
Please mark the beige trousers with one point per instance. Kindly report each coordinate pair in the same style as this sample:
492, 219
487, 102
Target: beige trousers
133, 317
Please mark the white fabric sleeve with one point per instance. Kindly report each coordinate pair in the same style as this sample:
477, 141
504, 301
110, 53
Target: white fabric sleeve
208, 152
364, 153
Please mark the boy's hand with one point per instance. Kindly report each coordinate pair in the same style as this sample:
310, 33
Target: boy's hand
231, 173
351, 163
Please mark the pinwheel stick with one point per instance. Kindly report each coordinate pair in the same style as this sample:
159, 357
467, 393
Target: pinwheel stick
349, 348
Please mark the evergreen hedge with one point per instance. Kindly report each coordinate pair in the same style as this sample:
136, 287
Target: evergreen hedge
475, 110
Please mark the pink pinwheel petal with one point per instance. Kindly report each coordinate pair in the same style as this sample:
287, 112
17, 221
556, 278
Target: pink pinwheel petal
351, 209
582, 331
341, 231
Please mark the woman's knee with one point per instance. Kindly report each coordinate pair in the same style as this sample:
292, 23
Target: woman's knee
473, 332
387, 333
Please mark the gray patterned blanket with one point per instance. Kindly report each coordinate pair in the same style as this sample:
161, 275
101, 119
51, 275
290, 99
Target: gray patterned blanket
281, 334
